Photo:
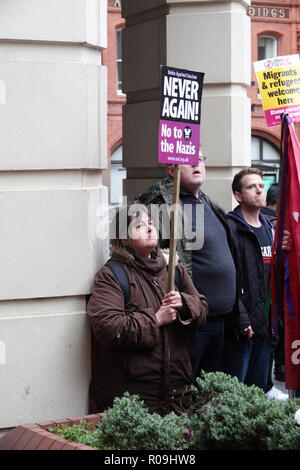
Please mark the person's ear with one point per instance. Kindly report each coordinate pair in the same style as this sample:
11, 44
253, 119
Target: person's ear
237, 196
170, 171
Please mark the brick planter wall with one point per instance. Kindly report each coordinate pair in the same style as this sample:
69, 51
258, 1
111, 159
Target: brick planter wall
36, 437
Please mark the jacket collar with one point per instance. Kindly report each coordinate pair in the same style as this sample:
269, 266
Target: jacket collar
153, 265
237, 215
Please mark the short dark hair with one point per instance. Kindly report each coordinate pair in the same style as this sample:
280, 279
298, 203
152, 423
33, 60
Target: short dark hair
272, 194
237, 180
121, 220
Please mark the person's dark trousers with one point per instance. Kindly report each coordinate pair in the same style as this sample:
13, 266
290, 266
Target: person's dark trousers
274, 344
247, 359
270, 372
207, 349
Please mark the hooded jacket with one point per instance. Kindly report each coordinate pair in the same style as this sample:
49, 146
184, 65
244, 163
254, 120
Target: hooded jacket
251, 272
135, 354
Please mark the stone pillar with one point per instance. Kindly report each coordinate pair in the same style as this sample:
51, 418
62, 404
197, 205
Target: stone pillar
53, 148
211, 37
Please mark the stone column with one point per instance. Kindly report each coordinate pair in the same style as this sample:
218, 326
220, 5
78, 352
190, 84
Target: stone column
53, 148
211, 37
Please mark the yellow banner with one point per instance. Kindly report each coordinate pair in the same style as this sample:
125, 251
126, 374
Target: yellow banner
279, 87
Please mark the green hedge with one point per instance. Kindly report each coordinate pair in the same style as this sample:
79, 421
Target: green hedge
129, 425
227, 415
231, 415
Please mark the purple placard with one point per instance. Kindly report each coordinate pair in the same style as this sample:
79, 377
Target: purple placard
179, 142
180, 113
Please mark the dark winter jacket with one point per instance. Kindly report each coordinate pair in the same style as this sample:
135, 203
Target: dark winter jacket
270, 214
135, 354
251, 272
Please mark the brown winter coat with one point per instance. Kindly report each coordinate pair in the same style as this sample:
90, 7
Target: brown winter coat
134, 353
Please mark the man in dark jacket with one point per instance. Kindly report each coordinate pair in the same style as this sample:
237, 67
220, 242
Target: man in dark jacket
247, 355
210, 264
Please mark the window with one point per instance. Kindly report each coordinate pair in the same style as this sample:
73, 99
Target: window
266, 157
119, 60
263, 150
267, 47
117, 174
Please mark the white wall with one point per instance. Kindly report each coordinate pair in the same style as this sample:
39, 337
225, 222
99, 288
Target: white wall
53, 148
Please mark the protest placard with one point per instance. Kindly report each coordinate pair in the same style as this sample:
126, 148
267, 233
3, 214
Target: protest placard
179, 135
180, 113
279, 84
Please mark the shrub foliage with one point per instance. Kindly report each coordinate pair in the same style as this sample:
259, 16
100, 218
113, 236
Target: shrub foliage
82, 433
129, 425
231, 415
227, 415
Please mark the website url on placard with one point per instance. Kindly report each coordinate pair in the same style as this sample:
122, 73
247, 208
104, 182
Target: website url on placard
178, 159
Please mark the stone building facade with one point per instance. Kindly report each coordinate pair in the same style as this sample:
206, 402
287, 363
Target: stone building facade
53, 111
112, 58
275, 31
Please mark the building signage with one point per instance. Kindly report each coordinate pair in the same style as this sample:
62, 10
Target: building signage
115, 3
180, 112
279, 84
266, 12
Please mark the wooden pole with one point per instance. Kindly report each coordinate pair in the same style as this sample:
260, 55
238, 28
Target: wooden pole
173, 229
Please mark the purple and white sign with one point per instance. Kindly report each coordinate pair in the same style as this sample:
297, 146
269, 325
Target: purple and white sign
180, 113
